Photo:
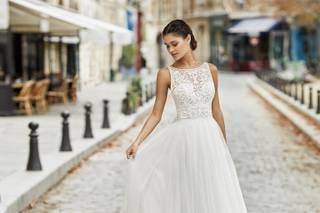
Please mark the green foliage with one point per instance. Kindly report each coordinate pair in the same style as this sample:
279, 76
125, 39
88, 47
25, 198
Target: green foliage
135, 92
128, 55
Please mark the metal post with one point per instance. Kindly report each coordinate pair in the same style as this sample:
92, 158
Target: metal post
88, 129
296, 91
290, 89
34, 163
105, 123
302, 93
310, 98
65, 142
318, 106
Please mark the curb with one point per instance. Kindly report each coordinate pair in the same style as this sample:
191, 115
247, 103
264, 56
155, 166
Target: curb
293, 113
23, 187
288, 100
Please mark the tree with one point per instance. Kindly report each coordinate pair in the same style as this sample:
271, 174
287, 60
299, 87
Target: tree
306, 12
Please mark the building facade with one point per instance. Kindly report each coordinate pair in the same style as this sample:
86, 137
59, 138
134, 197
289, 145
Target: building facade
59, 38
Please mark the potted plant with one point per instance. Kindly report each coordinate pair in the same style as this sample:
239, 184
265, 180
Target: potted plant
126, 62
136, 83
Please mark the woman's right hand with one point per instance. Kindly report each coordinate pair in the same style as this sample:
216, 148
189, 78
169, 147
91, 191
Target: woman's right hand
132, 150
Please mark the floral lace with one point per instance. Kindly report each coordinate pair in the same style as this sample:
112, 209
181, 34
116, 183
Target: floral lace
192, 90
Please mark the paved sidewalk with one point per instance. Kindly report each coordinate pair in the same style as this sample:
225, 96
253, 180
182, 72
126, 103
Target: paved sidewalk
307, 121
14, 145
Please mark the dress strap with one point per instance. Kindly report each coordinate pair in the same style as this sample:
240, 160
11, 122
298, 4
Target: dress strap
171, 77
209, 73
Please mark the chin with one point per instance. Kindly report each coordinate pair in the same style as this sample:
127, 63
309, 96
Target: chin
176, 57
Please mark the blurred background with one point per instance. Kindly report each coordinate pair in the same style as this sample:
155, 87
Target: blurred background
97, 60
59, 37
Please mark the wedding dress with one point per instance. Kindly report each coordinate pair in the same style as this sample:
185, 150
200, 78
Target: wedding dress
186, 167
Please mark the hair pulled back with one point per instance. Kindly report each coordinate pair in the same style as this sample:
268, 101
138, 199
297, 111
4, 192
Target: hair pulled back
180, 28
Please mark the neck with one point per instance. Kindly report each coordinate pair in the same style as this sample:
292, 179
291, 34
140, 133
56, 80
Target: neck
188, 60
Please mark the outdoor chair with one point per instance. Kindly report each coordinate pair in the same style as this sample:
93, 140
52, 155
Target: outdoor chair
61, 93
39, 92
24, 98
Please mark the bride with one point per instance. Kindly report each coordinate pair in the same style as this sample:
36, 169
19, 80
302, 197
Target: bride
186, 167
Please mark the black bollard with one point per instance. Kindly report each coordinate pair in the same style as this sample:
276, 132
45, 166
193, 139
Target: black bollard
318, 106
296, 91
88, 129
310, 98
290, 89
34, 163
65, 141
302, 93
105, 123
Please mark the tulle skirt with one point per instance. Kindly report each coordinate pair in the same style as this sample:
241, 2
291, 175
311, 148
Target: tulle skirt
186, 167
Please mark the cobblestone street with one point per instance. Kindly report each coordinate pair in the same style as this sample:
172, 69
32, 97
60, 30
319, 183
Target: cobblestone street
278, 168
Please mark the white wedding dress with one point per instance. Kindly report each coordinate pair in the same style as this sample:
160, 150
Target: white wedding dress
185, 167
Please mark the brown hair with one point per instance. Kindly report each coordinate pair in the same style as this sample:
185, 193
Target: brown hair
180, 28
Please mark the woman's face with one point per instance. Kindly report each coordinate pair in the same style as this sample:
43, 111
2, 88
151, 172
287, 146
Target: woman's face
177, 46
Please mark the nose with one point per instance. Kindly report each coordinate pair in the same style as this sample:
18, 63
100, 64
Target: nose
171, 50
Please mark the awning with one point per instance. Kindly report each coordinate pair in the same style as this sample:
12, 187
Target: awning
253, 26
27, 16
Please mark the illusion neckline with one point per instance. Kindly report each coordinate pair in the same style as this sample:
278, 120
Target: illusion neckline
189, 68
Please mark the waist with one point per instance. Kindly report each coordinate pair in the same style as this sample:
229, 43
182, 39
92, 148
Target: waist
194, 115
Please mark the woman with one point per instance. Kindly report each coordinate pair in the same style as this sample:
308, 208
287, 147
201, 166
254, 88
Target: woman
186, 167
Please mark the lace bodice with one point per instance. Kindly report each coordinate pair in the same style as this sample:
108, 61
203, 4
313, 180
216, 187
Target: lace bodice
192, 90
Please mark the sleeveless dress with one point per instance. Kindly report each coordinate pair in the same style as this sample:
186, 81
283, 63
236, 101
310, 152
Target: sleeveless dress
186, 167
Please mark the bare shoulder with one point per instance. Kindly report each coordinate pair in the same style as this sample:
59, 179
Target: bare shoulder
163, 75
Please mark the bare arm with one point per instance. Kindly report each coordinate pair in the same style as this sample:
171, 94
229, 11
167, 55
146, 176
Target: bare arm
216, 110
162, 84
